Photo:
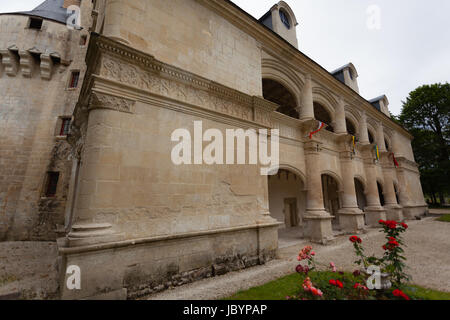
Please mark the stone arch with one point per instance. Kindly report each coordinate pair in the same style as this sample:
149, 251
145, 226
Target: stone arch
388, 139
371, 132
336, 177
273, 171
287, 195
360, 192
362, 180
279, 94
322, 98
354, 117
349, 119
325, 98
274, 70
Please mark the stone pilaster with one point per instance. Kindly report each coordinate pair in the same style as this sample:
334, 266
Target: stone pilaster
97, 179
374, 211
317, 221
351, 218
307, 110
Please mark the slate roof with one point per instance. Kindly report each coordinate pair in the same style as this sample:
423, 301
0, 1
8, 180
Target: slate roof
49, 9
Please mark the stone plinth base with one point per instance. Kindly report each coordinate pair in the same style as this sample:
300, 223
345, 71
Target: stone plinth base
135, 268
394, 212
351, 220
318, 228
411, 212
373, 215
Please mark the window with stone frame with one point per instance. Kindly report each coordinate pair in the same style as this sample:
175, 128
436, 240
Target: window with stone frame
74, 78
65, 126
51, 184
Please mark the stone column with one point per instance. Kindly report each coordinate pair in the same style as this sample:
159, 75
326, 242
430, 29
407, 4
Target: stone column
363, 133
380, 138
317, 225
340, 125
374, 211
307, 110
98, 180
393, 209
351, 218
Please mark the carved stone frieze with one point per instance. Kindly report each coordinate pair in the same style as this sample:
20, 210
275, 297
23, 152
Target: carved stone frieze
104, 101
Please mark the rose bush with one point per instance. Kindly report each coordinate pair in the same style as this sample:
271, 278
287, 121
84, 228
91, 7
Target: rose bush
339, 285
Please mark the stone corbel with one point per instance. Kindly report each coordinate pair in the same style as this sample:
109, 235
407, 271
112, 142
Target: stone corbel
11, 62
46, 66
26, 64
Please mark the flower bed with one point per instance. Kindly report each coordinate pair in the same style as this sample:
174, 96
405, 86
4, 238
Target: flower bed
373, 280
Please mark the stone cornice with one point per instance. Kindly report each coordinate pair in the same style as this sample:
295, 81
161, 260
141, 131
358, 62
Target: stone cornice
101, 44
280, 48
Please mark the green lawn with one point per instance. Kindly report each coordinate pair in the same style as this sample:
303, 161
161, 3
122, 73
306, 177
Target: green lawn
291, 285
444, 218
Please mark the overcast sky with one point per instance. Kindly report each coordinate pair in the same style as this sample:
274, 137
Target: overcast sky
410, 48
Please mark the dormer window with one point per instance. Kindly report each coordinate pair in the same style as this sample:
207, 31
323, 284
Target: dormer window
285, 19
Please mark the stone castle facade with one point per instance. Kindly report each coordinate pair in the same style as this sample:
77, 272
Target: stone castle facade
85, 141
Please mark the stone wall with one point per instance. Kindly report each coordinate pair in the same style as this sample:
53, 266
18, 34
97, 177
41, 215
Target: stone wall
35, 67
168, 30
135, 269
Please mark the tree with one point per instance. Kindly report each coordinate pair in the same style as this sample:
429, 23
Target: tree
426, 114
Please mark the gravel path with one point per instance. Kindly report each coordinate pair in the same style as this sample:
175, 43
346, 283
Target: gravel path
428, 254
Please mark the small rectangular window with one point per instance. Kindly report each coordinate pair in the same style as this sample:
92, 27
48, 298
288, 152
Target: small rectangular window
35, 23
51, 184
65, 126
83, 40
75, 76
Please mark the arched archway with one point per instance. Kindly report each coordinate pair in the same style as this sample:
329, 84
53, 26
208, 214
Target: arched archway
360, 195
322, 114
277, 93
396, 190
380, 193
387, 143
351, 128
287, 198
331, 196
371, 136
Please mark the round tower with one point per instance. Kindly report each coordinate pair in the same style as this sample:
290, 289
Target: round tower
41, 70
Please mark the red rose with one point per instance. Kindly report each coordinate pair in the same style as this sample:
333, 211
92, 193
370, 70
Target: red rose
384, 247
381, 222
332, 282
399, 293
353, 239
356, 286
404, 225
339, 284
359, 240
